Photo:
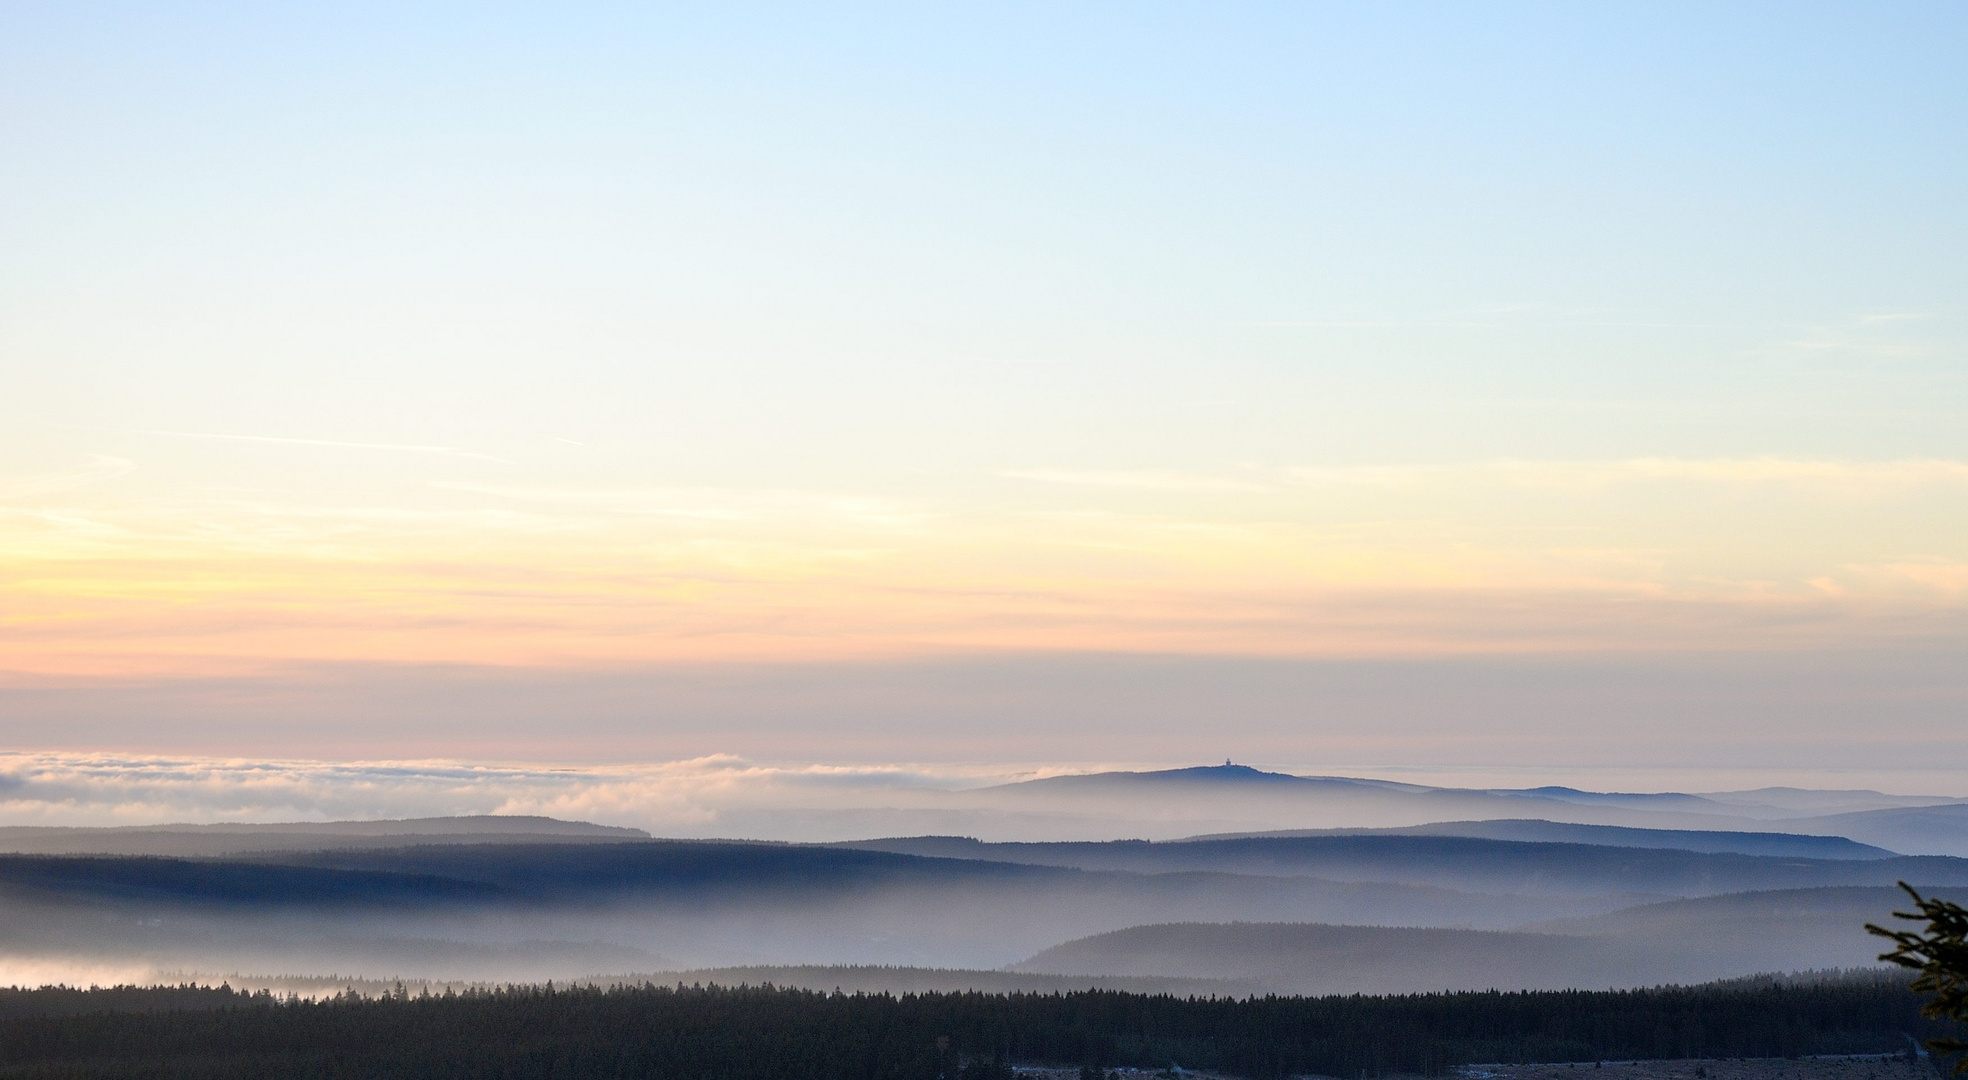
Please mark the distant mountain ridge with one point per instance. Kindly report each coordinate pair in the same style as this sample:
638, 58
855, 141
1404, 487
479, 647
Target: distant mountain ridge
1302, 958
1540, 831
222, 839
1775, 802
1649, 800
550, 909
1541, 887
1921, 825
1446, 861
1679, 941
1225, 773
1310, 958
435, 910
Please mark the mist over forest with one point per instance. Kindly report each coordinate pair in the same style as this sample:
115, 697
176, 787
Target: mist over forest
640, 541
1512, 902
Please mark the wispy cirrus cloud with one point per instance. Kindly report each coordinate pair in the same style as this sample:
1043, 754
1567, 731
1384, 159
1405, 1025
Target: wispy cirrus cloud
1527, 472
336, 444
99, 468
1893, 316
1929, 577
1137, 479
738, 505
1902, 473
1347, 559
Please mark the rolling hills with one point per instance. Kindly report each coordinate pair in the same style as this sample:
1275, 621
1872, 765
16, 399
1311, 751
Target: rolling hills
1519, 901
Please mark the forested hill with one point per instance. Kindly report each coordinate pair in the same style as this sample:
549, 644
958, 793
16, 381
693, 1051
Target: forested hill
1787, 845
1407, 874
768, 1034
1460, 862
146, 879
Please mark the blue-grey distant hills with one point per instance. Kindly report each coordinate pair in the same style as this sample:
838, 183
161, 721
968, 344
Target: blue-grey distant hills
1559, 832
480, 909
1212, 775
466, 908
1677, 941
549, 909
1312, 958
1926, 830
1461, 862
1274, 801
1170, 804
1230, 777
1402, 887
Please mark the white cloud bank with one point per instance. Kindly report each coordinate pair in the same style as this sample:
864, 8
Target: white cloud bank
670, 798
718, 796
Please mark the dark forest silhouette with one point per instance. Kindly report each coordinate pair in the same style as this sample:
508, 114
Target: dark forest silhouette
772, 1034
1940, 955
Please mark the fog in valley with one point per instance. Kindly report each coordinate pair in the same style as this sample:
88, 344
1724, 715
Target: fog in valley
1546, 888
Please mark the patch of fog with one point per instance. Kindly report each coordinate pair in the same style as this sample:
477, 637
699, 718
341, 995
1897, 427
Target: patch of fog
726, 796
680, 798
29, 972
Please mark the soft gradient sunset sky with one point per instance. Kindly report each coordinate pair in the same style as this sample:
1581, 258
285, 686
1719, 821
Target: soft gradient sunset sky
1533, 384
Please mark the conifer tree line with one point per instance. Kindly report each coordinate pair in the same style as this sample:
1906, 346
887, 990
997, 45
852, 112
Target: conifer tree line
762, 1033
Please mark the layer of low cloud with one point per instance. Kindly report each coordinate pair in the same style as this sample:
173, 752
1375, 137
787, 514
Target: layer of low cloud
723, 795
669, 798
1838, 718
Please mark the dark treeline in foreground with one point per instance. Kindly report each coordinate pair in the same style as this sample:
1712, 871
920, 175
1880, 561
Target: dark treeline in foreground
688, 1033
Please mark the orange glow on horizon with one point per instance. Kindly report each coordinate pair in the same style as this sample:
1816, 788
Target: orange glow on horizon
1426, 563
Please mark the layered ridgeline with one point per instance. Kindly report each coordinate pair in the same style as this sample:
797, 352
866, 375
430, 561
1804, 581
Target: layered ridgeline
769, 1034
1602, 915
1678, 941
1597, 903
1234, 798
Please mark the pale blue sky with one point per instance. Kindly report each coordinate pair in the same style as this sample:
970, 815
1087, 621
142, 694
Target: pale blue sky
1130, 235
578, 339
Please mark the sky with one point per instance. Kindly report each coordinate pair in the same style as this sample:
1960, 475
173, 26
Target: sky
1380, 386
